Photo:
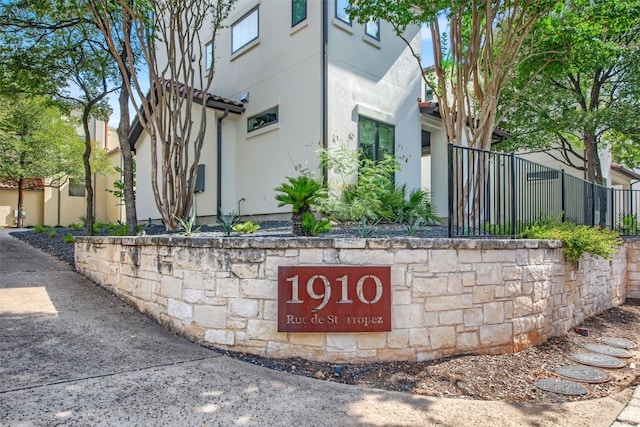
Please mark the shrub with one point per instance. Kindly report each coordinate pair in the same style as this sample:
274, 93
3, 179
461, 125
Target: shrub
227, 222
578, 239
187, 225
312, 227
301, 193
247, 227
75, 226
68, 238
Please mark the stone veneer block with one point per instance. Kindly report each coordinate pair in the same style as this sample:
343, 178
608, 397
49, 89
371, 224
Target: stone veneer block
219, 336
210, 316
341, 342
443, 261
179, 310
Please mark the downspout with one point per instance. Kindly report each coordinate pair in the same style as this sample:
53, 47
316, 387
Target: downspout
219, 165
325, 85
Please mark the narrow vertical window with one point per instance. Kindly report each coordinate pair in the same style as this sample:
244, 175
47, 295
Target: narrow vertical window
376, 139
341, 11
372, 29
298, 11
245, 30
208, 56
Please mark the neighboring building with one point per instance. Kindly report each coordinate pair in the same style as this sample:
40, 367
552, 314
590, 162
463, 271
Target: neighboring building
47, 203
307, 78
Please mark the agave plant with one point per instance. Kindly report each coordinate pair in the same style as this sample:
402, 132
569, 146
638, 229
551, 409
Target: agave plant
301, 193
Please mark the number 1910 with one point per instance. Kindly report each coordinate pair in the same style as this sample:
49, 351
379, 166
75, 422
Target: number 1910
325, 296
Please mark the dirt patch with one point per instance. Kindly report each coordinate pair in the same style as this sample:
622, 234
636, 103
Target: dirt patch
506, 377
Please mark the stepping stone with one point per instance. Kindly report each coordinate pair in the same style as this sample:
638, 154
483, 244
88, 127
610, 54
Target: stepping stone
562, 387
618, 342
608, 350
585, 374
599, 360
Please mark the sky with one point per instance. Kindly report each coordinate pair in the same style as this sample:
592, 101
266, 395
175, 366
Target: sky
426, 54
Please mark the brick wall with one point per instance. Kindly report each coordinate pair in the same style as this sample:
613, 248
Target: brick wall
448, 296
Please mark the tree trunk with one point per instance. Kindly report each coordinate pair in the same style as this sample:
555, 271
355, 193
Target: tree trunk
19, 218
86, 159
127, 163
594, 174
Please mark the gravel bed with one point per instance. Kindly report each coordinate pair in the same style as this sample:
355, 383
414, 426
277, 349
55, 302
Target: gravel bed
57, 247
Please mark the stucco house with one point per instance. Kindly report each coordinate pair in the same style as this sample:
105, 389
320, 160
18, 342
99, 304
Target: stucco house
292, 77
49, 203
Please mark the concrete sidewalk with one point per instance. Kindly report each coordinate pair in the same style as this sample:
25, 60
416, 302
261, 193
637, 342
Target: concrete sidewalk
73, 354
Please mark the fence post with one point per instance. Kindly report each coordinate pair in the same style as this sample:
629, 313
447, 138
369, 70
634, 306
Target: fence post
563, 195
450, 184
593, 204
514, 228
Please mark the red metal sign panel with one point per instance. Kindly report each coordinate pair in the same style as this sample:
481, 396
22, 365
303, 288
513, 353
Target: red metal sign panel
334, 299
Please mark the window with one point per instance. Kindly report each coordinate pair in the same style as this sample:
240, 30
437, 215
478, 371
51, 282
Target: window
208, 56
298, 11
372, 29
376, 139
263, 119
341, 11
244, 31
76, 188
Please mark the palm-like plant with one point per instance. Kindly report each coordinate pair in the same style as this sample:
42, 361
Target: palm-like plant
301, 193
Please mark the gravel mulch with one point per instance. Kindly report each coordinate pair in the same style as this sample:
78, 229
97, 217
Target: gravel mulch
484, 377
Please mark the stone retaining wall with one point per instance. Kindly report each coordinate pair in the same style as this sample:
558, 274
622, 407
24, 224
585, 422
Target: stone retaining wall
448, 296
633, 268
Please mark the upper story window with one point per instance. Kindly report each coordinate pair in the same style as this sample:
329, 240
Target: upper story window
244, 30
376, 139
208, 56
372, 29
341, 11
298, 11
263, 119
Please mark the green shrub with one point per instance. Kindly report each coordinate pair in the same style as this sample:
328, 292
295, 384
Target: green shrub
187, 225
302, 193
75, 226
578, 239
227, 222
628, 224
40, 229
68, 238
247, 227
52, 233
312, 227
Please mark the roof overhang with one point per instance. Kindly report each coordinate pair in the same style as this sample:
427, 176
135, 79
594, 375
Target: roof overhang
621, 169
199, 97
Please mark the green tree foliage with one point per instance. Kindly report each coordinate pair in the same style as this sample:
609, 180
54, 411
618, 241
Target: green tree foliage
473, 59
55, 48
586, 98
36, 141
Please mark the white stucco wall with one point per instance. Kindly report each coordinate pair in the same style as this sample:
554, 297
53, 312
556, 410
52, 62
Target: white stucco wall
380, 81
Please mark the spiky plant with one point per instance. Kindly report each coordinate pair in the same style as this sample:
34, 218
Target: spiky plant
301, 193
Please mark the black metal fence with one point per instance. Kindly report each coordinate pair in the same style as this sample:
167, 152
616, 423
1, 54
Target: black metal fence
498, 194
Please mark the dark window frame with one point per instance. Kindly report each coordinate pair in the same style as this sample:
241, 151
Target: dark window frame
267, 121
366, 32
241, 19
347, 22
376, 147
293, 10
